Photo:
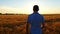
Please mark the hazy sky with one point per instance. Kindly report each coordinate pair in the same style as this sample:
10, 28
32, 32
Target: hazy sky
25, 6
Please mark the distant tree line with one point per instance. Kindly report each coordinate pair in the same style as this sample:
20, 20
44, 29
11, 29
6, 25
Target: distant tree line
53, 20
0, 13
8, 14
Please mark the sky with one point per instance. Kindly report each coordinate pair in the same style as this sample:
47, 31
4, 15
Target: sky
26, 6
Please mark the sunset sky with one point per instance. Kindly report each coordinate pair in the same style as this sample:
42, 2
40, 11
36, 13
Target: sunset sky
25, 6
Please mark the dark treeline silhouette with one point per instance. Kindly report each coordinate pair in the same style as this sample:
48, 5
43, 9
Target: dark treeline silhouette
53, 20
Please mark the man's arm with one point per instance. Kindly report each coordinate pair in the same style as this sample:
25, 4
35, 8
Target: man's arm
43, 25
27, 26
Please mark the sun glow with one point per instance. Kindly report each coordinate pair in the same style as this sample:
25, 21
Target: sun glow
26, 9
26, 6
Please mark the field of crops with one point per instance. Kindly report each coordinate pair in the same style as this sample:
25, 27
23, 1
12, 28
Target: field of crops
16, 24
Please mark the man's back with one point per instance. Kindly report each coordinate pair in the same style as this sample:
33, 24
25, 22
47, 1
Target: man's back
35, 20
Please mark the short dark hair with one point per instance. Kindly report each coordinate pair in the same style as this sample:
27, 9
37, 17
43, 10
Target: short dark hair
35, 8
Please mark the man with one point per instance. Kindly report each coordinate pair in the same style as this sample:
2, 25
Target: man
35, 19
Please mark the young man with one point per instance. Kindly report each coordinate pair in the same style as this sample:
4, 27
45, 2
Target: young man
35, 19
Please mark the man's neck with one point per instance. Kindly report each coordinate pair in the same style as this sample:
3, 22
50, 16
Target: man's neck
35, 12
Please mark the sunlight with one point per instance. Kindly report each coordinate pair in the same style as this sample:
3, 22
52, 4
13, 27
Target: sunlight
26, 6
29, 8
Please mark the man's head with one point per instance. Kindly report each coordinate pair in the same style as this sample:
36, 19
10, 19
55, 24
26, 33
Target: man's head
35, 8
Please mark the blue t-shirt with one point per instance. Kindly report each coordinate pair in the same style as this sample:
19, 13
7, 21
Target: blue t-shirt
35, 20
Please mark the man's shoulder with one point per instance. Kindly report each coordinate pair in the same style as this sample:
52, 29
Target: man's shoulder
36, 15
39, 14
30, 14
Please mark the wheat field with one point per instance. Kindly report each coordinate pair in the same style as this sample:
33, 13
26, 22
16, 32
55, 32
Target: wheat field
16, 24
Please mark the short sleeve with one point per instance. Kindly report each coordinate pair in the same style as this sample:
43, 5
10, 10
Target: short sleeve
42, 19
28, 19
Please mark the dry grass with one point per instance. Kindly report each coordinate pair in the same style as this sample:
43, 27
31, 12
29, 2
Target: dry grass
16, 24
